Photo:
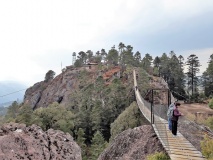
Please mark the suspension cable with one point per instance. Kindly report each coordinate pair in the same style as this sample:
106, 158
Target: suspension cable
12, 93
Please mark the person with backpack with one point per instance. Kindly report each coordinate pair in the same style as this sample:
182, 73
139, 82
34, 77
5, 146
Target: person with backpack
170, 114
176, 115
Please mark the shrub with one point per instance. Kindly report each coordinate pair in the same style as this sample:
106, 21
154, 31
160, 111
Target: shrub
158, 156
211, 103
209, 122
207, 147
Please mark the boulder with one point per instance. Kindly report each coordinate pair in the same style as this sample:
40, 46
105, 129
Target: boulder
20, 142
134, 144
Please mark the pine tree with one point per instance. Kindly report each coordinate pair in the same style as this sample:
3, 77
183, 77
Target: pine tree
98, 145
207, 78
164, 70
156, 63
193, 68
81, 142
176, 78
12, 112
49, 75
146, 62
137, 58
112, 57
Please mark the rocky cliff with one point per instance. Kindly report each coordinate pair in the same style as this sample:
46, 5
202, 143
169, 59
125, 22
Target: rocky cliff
134, 144
44, 93
64, 85
20, 142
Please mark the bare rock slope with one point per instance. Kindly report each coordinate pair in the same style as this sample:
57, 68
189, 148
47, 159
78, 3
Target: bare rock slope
132, 144
20, 142
59, 89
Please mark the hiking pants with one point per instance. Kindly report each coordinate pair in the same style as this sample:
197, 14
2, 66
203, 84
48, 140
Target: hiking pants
174, 127
170, 123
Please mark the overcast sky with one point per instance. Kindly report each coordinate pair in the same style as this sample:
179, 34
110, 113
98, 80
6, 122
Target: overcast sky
37, 35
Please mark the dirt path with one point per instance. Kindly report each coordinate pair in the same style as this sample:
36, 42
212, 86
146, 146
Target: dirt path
194, 108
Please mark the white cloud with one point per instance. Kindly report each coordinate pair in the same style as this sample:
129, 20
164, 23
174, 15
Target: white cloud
41, 28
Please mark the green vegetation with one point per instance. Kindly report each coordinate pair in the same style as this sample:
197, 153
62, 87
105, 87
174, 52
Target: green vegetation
209, 122
98, 145
211, 103
207, 147
207, 78
49, 75
193, 68
99, 108
143, 81
158, 156
54, 116
131, 117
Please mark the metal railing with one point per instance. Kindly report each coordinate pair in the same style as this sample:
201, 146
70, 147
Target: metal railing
156, 115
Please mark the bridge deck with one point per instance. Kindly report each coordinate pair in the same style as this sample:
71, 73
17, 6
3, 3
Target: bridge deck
178, 147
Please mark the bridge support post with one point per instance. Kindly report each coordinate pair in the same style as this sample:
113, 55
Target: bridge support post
152, 110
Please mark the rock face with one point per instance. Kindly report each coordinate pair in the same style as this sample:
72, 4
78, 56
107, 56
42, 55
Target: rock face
132, 144
59, 89
20, 142
63, 86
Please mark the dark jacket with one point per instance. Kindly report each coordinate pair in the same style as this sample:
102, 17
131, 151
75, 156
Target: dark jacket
176, 114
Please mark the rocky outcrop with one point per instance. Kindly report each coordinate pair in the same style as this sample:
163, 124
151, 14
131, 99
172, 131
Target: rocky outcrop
134, 144
63, 86
20, 142
57, 90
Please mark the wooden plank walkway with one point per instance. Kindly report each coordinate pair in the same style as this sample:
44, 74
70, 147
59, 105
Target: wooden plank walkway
177, 147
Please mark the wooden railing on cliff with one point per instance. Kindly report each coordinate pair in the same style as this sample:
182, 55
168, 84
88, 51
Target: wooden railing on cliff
178, 148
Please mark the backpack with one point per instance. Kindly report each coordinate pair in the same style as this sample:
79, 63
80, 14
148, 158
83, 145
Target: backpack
170, 111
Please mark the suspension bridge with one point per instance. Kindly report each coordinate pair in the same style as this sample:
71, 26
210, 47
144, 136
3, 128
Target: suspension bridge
178, 148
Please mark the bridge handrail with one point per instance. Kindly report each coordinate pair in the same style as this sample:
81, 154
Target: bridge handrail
172, 146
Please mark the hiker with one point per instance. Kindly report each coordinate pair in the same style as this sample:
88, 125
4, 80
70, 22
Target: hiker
176, 115
170, 114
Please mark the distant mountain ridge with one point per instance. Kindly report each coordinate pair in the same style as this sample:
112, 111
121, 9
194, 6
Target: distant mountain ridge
7, 87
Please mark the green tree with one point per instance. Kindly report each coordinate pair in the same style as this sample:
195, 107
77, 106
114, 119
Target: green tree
112, 57
82, 56
81, 142
207, 78
176, 80
98, 145
193, 68
172, 53
84, 121
156, 63
128, 56
137, 58
89, 55
121, 48
164, 70
49, 75
54, 116
78, 63
103, 54
181, 59
146, 62
131, 117
25, 115
12, 112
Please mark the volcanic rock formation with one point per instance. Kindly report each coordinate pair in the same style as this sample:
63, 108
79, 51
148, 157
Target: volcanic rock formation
134, 144
20, 142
